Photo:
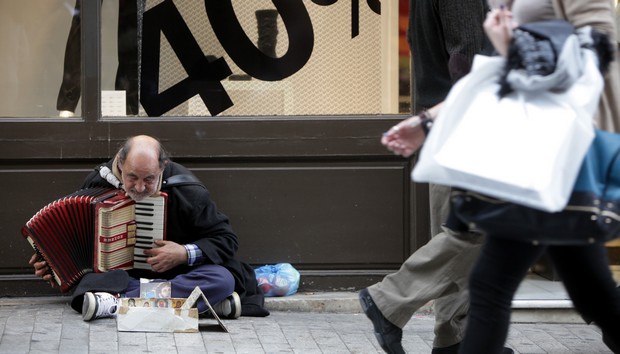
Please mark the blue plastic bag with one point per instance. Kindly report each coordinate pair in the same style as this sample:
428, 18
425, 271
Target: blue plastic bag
278, 280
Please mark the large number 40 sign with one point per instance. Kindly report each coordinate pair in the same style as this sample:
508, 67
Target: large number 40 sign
204, 76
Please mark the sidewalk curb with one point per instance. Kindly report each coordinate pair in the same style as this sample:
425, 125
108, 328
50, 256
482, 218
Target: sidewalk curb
333, 302
524, 311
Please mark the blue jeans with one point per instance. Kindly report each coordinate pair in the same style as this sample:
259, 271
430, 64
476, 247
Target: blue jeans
215, 281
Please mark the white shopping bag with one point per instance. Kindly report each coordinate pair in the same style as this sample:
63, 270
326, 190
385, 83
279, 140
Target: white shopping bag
525, 148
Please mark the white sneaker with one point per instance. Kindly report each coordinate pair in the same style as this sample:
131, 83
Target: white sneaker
66, 114
99, 305
230, 307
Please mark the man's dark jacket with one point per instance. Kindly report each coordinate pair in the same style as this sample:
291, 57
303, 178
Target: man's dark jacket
192, 217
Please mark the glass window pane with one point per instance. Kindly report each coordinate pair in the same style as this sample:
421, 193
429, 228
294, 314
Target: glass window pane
33, 34
204, 58
249, 58
119, 62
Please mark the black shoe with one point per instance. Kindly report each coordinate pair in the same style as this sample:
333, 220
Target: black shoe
388, 334
610, 344
454, 349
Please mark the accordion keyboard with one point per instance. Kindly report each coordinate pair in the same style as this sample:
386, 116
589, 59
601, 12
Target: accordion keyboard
150, 226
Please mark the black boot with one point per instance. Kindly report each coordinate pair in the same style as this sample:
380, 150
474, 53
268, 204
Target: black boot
388, 334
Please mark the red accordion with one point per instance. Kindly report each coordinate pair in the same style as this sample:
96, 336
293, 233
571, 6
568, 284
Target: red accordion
95, 229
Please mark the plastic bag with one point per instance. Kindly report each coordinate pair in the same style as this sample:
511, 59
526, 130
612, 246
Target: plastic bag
277, 280
525, 148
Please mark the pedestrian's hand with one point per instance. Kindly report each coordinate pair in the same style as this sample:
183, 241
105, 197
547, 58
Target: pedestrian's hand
41, 269
404, 138
498, 27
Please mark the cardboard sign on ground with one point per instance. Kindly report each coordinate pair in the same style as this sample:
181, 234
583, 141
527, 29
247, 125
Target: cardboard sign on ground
163, 314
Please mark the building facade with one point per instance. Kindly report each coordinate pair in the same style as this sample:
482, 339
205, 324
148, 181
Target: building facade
277, 106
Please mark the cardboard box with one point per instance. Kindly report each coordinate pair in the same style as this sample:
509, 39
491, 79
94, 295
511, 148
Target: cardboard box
162, 314
153, 318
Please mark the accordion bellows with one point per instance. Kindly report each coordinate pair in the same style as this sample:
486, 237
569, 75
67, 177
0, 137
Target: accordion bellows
95, 229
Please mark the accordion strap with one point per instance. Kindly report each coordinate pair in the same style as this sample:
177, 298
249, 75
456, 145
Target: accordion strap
181, 180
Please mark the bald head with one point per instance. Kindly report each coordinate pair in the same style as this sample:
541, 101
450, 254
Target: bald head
143, 146
144, 141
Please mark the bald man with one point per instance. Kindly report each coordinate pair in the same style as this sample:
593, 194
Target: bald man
200, 244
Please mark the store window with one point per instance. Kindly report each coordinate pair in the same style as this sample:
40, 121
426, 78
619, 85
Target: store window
209, 58
33, 34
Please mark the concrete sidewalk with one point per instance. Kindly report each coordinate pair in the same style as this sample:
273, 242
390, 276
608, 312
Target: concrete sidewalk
302, 323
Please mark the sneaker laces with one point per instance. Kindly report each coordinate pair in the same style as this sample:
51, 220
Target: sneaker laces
107, 305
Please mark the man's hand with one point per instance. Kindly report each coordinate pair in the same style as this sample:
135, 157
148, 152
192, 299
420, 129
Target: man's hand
404, 138
41, 270
166, 256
